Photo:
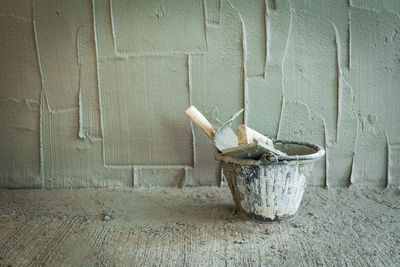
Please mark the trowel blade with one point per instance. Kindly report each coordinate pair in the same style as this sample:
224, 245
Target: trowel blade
225, 137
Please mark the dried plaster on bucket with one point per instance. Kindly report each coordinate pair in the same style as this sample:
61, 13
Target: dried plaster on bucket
271, 190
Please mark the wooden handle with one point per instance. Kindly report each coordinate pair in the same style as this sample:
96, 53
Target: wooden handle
246, 135
200, 121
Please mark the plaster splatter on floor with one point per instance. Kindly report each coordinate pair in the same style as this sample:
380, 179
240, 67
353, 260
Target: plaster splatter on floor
195, 226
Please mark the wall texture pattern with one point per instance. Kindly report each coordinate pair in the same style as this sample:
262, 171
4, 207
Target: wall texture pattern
93, 92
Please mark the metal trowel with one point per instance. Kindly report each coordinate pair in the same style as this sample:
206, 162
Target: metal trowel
223, 137
251, 145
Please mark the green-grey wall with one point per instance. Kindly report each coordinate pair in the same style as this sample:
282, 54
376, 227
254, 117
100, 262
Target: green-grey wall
93, 93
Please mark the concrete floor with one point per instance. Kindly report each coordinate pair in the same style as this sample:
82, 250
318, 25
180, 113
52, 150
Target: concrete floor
195, 227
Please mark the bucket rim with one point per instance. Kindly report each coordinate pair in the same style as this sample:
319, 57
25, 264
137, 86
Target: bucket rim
319, 153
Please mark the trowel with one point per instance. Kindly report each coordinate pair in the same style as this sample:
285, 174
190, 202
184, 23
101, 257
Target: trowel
248, 144
223, 137
251, 145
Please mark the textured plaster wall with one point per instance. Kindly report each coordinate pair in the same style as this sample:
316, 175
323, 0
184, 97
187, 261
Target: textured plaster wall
93, 92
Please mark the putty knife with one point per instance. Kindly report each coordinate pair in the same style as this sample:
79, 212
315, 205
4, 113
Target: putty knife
223, 137
251, 145
246, 135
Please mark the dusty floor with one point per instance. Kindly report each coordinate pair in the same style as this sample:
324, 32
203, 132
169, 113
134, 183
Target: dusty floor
195, 227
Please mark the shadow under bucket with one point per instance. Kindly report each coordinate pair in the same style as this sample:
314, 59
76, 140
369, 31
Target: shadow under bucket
271, 190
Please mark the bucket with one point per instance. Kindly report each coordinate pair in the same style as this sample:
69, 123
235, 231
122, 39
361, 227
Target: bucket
268, 189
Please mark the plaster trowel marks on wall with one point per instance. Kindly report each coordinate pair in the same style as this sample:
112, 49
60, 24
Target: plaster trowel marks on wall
57, 24
143, 125
311, 62
213, 11
117, 76
88, 87
19, 98
19, 149
146, 111
157, 27
253, 16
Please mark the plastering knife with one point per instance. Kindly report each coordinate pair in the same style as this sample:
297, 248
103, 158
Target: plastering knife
223, 137
246, 135
251, 145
